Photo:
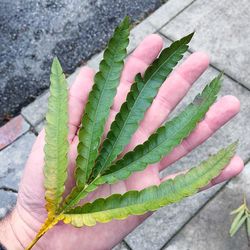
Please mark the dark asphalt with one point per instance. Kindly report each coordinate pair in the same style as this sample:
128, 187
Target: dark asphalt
33, 32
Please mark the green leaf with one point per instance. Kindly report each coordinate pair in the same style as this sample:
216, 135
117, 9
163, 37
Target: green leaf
100, 101
157, 146
236, 222
242, 216
248, 225
138, 100
119, 206
56, 147
241, 208
166, 137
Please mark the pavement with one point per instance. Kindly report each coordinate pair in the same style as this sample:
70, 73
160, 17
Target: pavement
33, 32
201, 221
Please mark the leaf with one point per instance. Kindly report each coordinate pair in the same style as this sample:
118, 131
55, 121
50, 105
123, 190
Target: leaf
237, 226
166, 137
120, 206
137, 102
241, 217
100, 101
157, 146
241, 208
248, 225
56, 147
236, 222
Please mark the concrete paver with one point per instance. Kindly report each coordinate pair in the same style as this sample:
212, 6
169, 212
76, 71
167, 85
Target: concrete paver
7, 201
13, 160
222, 29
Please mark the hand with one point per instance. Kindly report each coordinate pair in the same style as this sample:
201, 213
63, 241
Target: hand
30, 212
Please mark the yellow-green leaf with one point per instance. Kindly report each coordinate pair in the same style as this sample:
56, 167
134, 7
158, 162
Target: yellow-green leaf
119, 206
99, 103
56, 144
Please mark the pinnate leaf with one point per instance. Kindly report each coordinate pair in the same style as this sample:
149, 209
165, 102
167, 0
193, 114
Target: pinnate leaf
56, 146
138, 100
100, 100
120, 206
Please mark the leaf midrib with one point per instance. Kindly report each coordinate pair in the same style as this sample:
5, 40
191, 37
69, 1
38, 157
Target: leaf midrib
59, 122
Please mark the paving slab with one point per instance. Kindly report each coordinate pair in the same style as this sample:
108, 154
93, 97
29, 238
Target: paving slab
7, 202
12, 130
222, 29
39, 127
209, 228
13, 160
35, 112
162, 226
167, 12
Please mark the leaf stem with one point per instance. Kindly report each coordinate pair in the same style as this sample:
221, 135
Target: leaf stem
48, 224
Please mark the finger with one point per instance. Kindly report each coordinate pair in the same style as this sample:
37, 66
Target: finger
235, 167
78, 95
219, 114
137, 62
173, 90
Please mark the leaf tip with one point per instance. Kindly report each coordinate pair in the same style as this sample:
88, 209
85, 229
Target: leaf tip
56, 66
233, 146
189, 37
125, 23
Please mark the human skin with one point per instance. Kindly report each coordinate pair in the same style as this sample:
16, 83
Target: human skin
21, 226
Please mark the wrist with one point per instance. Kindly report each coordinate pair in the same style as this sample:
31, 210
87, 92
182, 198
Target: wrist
8, 237
15, 233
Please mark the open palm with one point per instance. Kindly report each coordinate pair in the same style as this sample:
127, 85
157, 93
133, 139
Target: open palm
30, 210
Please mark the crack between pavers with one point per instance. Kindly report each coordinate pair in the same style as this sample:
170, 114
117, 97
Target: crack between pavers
7, 189
2, 149
126, 244
199, 210
178, 13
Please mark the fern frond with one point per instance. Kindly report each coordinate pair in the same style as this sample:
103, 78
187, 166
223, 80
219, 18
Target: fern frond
138, 100
119, 206
100, 100
56, 144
